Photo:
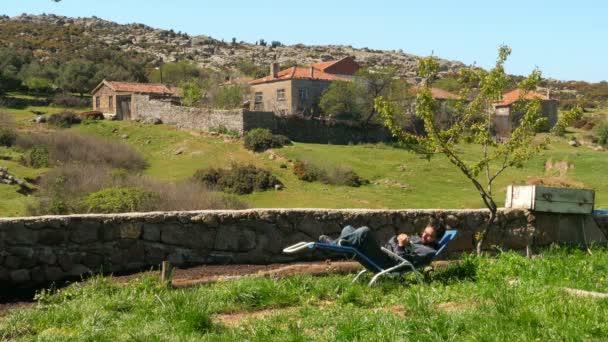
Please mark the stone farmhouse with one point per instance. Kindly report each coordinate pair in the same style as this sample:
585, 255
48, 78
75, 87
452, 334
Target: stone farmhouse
506, 115
114, 99
298, 90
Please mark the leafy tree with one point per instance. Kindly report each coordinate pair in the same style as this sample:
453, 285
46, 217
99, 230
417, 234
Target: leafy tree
77, 76
473, 123
343, 100
376, 83
192, 94
229, 97
175, 73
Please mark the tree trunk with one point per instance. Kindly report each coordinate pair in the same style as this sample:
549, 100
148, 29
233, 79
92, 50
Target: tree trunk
486, 229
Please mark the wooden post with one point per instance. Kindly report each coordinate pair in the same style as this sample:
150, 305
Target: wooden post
166, 272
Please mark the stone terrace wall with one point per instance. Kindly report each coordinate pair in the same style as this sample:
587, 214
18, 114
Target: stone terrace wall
149, 109
38, 250
146, 109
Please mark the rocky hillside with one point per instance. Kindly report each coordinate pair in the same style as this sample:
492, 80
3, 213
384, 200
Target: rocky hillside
72, 34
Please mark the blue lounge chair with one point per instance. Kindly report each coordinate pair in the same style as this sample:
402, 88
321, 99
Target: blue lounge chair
403, 265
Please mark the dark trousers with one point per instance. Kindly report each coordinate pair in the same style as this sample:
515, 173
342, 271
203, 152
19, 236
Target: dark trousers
364, 240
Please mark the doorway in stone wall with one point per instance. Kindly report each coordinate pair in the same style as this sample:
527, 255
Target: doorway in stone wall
123, 107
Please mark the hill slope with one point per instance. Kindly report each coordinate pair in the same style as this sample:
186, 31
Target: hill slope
50, 34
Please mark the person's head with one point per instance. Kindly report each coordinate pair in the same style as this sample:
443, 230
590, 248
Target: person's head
433, 232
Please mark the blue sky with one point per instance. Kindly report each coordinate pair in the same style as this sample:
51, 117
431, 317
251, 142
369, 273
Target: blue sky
566, 39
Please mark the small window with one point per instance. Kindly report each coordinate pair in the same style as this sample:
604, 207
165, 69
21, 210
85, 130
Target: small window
303, 94
97, 102
257, 101
110, 102
258, 97
280, 94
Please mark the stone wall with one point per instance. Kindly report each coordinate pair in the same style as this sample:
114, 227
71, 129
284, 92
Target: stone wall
298, 129
39, 250
145, 109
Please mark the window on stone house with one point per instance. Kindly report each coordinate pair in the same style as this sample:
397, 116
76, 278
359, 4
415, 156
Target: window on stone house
280, 94
110, 102
258, 100
97, 102
302, 94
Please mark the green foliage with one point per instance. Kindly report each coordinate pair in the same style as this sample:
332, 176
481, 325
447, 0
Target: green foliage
250, 69
8, 136
224, 130
63, 119
601, 132
343, 100
472, 124
118, 200
229, 97
566, 119
77, 76
341, 175
192, 94
240, 179
36, 157
176, 73
261, 139
70, 101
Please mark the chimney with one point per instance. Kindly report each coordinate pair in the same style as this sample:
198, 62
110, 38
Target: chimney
274, 70
548, 93
312, 72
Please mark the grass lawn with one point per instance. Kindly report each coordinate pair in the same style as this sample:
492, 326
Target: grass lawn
509, 298
399, 179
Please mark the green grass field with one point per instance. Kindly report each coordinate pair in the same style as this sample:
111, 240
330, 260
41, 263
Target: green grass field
510, 298
399, 179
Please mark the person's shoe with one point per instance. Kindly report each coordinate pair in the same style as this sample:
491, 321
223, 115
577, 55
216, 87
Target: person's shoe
325, 239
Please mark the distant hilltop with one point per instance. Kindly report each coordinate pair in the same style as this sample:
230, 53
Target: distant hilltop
204, 50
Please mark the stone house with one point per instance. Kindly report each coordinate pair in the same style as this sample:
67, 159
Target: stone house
506, 115
444, 119
114, 99
298, 90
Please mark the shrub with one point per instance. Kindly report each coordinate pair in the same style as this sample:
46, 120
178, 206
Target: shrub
308, 172
63, 119
70, 101
341, 175
601, 132
240, 179
224, 130
67, 147
346, 176
118, 200
65, 190
8, 135
261, 139
229, 97
36, 157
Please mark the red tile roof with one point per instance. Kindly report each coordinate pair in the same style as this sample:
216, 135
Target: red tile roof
133, 87
325, 71
515, 95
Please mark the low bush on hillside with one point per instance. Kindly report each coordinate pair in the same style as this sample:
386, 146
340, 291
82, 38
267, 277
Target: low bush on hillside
341, 175
87, 188
224, 130
64, 119
601, 132
119, 200
36, 157
71, 101
8, 135
67, 147
240, 179
261, 139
